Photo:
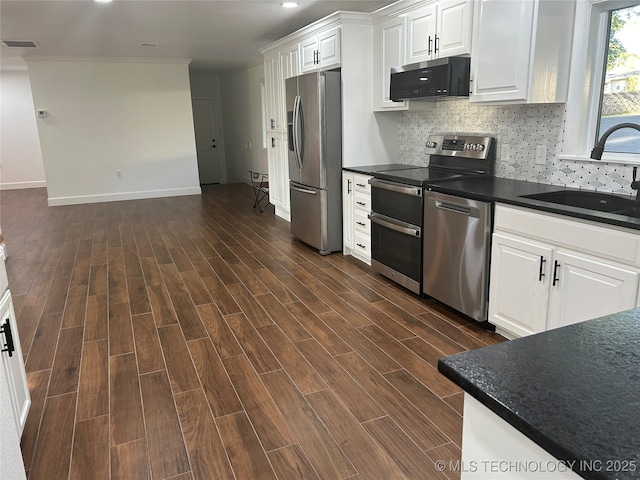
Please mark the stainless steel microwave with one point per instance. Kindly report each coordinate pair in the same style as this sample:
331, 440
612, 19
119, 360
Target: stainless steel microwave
444, 77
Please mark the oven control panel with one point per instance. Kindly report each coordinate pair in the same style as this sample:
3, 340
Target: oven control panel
467, 146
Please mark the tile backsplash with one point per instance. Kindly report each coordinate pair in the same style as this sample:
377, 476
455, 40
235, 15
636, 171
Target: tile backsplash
519, 129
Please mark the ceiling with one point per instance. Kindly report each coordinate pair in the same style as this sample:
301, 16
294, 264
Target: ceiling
218, 35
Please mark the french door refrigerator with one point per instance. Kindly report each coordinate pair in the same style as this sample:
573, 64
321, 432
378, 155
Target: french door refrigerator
314, 127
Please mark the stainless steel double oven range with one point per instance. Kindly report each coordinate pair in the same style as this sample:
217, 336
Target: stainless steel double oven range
397, 203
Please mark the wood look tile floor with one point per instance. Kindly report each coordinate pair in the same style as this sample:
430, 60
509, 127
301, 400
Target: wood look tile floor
191, 338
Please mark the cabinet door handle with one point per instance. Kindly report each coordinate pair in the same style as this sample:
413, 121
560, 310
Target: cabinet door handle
348, 187
273, 124
556, 279
8, 344
429, 46
542, 262
435, 44
273, 142
316, 57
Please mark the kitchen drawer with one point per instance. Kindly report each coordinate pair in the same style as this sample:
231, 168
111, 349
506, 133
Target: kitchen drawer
361, 183
362, 245
615, 243
361, 222
362, 202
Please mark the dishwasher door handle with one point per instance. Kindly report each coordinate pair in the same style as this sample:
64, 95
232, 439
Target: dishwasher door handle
455, 208
395, 225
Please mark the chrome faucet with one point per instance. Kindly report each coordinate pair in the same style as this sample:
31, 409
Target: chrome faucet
596, 153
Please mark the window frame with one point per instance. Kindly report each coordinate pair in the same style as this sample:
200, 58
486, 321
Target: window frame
586, 82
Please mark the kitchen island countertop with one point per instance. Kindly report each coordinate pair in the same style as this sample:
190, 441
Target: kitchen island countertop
575, 391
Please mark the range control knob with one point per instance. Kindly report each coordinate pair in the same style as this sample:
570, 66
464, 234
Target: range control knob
432, 144
480, 147
474, 146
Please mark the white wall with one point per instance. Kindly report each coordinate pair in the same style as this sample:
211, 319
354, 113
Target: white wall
242, 117
109, 115
206, 85
20, 155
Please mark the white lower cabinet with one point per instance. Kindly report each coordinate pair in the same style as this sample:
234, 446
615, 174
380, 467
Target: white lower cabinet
538, 281
587, 287
518, 294
356, 206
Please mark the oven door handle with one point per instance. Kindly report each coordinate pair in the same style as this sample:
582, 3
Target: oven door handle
396, 187
395, 225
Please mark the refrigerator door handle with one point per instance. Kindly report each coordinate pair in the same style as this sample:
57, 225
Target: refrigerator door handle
300, 133
304, 190
295, 129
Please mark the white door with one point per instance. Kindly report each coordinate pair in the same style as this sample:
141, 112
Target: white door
309, 54
389, 38
12, 366
587, 288
421, 32
518, 292
501, 50
454, 28
329, 48
347, 212
207, 143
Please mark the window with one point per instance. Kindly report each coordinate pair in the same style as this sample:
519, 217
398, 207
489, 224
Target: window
620, 94
600, 31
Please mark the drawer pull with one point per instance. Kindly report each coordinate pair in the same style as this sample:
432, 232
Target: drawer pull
360, 223
556, 278
8, 344
361, 185
362, 204
361, 246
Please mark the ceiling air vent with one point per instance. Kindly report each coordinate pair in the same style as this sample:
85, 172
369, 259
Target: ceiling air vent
19, 43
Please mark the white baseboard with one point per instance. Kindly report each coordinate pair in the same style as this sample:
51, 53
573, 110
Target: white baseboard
116, 197
20, 185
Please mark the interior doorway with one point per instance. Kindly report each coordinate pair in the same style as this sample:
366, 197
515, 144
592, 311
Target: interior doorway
208, 143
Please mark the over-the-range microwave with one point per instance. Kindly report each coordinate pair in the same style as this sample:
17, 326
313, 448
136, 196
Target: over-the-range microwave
444, 77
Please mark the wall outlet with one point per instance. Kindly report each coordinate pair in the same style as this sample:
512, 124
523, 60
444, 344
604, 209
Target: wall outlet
42, 114
541, 155
118, 174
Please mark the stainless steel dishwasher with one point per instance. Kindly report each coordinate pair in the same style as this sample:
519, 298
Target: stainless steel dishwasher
457, 238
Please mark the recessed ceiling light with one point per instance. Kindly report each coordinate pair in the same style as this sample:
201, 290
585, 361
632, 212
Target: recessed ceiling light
103, 1
148, 44
290, 4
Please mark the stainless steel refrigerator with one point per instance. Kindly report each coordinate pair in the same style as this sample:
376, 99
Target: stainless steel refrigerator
314, 121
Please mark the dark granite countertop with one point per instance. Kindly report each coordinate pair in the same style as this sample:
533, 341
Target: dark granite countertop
494, 189
370, 169
575, 390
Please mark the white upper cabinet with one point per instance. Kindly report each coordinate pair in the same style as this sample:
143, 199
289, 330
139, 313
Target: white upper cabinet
421, 34
273, 85
388, 51
321, 51
454, 28
441, 29
290, 61
521, 51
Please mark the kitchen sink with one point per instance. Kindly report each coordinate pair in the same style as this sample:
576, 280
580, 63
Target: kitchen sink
600, 202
